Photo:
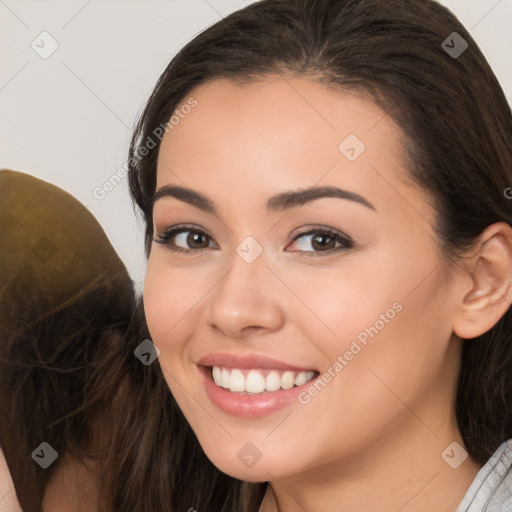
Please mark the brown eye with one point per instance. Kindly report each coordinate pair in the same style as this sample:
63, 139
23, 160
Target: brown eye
321, 242
196, 240
184, 240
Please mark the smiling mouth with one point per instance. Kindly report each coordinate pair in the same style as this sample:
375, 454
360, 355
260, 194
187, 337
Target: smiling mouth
258, 381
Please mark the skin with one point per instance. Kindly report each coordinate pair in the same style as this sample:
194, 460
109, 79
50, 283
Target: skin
8, 499
382, 423
74, 487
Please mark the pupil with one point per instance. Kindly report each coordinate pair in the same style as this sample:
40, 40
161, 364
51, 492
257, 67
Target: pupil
194, 238
322, 244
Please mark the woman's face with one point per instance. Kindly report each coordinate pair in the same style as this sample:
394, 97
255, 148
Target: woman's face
346, 291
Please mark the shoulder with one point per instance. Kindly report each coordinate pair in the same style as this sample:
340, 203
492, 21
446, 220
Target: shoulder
491, 490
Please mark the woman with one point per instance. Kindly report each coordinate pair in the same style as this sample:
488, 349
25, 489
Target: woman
329, 264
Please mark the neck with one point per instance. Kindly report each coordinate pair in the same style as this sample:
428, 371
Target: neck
402, 471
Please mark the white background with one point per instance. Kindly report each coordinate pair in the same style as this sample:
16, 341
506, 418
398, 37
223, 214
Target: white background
67, 119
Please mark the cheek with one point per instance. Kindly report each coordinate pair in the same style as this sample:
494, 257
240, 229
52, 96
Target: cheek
376, 316
335, 305
393, 348
169, 296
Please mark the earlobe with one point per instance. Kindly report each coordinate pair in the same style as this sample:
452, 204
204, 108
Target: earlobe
491, 276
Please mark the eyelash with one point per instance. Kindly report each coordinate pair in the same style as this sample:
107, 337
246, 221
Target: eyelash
345, 241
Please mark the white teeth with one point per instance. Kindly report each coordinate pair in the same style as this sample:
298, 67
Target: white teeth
303, 377
225, 378
255, 380
237, 381
273, 381
217, 375
287, 380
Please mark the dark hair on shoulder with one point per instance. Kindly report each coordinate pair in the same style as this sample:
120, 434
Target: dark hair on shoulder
457, 135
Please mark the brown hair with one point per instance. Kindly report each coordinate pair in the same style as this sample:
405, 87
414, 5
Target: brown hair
457, 128
65, 300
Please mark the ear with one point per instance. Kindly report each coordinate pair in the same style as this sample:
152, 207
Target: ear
490, 277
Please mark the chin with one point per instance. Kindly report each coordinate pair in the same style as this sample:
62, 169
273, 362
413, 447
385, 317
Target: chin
245, 462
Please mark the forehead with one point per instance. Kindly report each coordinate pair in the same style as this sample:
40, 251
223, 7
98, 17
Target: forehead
280, 133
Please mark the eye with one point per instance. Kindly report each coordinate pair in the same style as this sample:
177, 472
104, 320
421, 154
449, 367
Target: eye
187, 239
315, 242
322, 242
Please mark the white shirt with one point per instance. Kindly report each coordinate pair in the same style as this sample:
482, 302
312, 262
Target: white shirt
491, 490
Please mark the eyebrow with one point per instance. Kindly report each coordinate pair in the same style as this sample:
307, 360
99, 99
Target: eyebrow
277, 203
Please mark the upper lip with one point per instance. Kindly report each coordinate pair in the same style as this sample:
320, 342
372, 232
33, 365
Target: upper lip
247, 362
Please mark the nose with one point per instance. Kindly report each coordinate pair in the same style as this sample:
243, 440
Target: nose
246, 300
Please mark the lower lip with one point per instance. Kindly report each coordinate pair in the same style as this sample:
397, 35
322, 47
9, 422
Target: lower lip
249, 406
